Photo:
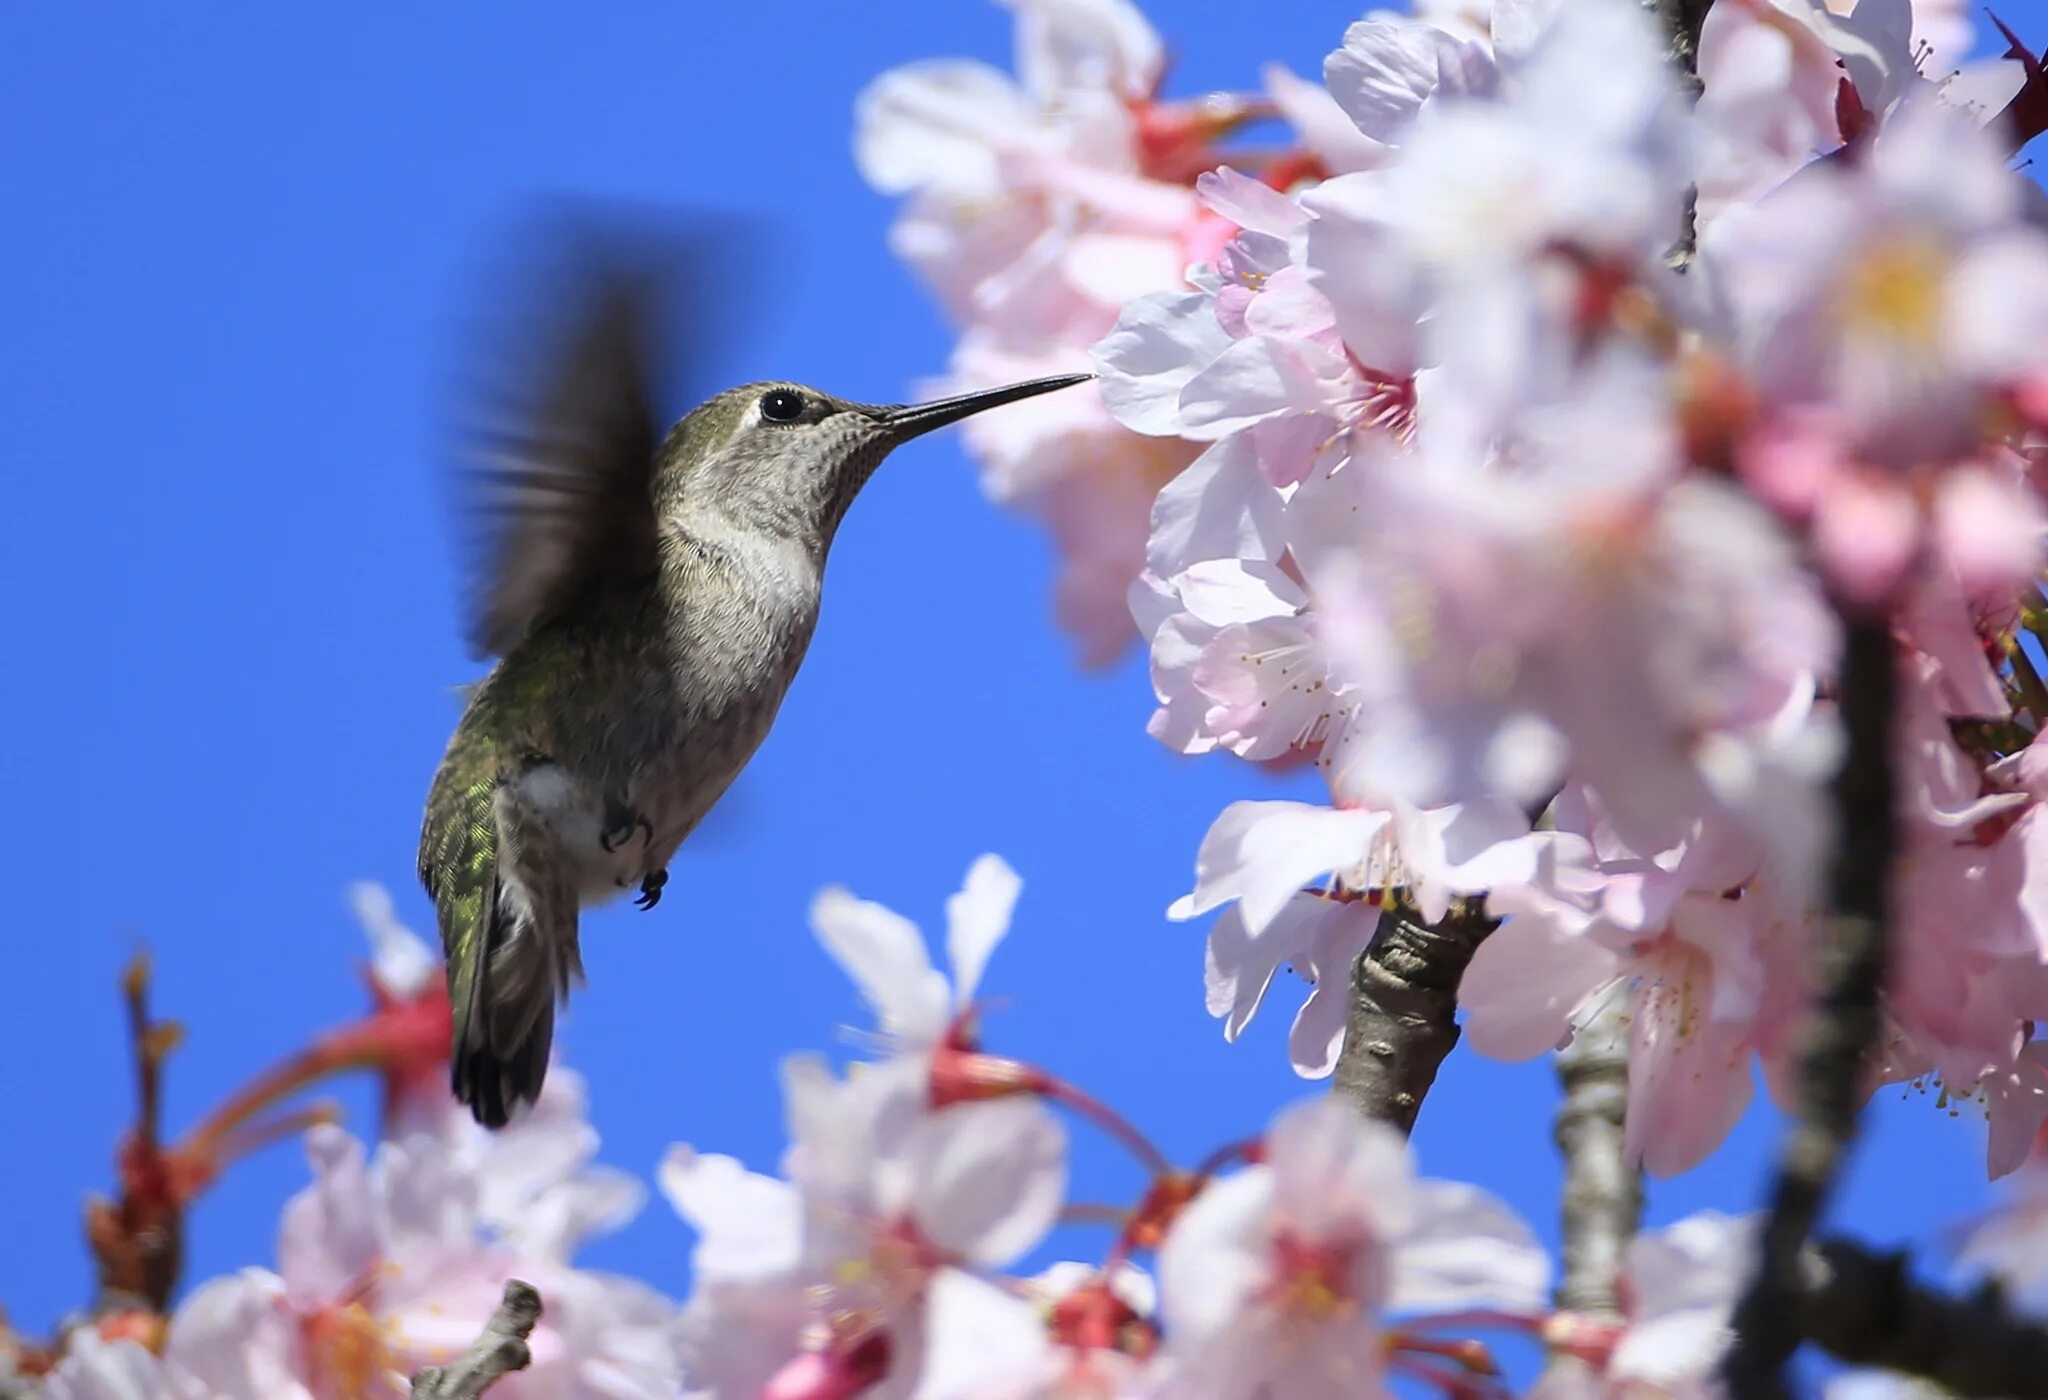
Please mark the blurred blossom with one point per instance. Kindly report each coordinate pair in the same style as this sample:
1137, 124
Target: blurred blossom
1278, 1279
1496, 506
1038, 206
1678, 1286
387, 1263
94, 1368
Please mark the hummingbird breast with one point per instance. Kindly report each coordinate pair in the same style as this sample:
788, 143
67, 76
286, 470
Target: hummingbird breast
733, 618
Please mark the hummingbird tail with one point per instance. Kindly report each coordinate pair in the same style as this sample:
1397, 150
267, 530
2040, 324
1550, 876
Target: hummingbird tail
508, 929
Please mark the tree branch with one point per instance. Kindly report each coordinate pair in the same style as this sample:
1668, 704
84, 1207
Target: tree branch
1864, 1309
1603, 1199
499, 1351
1681, 20
1404, 1011
1843, 1025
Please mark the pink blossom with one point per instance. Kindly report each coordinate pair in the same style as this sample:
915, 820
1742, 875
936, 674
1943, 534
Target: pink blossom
860, 1274
2007, 1242
1668, 931
1275, 1279
1039, 206
94, 1368
385, 1266
1884, 303
885, 954
1582, 614
1679, 1286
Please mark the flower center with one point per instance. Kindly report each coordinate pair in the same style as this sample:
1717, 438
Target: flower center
347, 1350
1893, 291
1313, 1278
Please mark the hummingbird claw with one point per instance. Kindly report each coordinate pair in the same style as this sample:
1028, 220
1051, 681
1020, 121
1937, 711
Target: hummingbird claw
650, 889
620, 822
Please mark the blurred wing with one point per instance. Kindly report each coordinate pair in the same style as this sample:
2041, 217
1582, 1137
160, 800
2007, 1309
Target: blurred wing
560, 493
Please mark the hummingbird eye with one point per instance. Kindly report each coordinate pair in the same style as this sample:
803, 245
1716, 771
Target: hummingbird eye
782, 406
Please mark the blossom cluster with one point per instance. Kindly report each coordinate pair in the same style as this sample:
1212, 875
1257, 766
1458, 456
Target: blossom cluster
392, 1256
1549, 425
1039, 207
1310, 1261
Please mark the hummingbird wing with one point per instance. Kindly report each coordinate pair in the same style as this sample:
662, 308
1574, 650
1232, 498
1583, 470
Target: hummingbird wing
507, 912
561, 499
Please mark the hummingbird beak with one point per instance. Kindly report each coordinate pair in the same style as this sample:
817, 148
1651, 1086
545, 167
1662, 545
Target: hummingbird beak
905, 421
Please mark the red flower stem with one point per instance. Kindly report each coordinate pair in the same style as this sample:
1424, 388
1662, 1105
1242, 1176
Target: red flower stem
1449, 1382
1469, 1356
1110, 1121
1482, 1317
148, 1062
1093, 1213
254, 1137
1223, 1156
329, 1055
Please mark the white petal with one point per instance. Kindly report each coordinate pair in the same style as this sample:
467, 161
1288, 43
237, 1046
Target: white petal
1465, 1250
1249, 203
1223, 591
937, 123
1263, 852
327, 1239
1068, 46
979, 1339
1383, 75
234, 1336
1525, 982
1159, 343
884, 954
555, 1224
400, 959
988, 1178
976, 920
96, 1369
1220, 507
747, 1224
1334, 1172
1214, 1259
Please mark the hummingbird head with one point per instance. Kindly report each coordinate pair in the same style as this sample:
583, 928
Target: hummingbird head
788, 459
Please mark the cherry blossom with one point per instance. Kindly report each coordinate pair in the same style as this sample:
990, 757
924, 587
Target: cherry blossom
1884, 303
884, 953
1039, 206
1676, 931
860, 1273
95, 1368
384, 1265
1276, 1279
1678, 1289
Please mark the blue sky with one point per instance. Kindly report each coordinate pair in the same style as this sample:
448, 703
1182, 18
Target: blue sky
237, 235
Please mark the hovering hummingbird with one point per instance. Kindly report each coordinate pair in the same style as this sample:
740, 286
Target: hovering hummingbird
649, 599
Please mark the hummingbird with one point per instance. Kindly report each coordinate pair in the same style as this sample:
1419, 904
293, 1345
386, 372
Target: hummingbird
648, 598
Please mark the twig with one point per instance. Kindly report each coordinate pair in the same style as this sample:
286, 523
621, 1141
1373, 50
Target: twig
1603, 1199
1843, 1024
1681, 21
498, 1352
1863, 1308
1404, 1003
137, 1239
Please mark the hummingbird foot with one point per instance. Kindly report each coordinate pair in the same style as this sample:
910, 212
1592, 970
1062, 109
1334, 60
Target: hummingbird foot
650, 889
620, 822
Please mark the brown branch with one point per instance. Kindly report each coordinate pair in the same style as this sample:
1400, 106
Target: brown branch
137, 1239
1843, 1024
1603, 1198
1864, 1309
1681, 21
1404, 1004
499, 1351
